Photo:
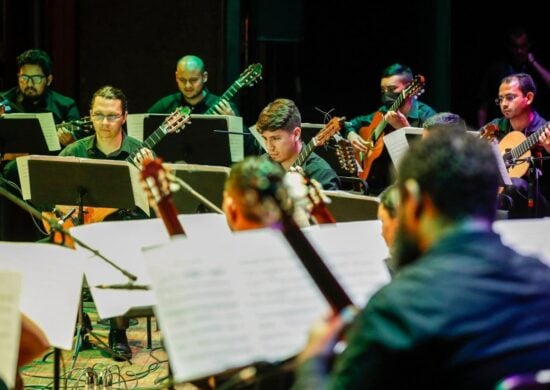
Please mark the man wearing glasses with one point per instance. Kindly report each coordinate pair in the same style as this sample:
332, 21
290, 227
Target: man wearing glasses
34, 95
516, 95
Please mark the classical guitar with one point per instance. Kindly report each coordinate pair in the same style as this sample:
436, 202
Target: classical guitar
84, 124
346, 155
374, 132
273, 205
330, 129
157, 187
172, 124
307, 195
247, 78
516, 146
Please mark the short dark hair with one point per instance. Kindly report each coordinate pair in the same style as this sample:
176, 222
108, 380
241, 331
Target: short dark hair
36, 57
457, 171
256, 175
110, 92
280, 114
445, 120
398, 69
525, 81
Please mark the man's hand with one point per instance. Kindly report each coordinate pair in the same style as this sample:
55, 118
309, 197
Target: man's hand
65, 136
141, 155
224, 108
396, 119
544, 138
358, 142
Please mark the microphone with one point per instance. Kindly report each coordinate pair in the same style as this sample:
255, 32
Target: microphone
126, 286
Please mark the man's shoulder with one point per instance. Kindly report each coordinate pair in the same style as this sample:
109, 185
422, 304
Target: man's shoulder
166, 104
79, 147
61, 99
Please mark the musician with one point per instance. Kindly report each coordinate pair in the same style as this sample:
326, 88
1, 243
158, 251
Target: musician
279, 124
191, 77
395, 78
108, 110
465, 310
34, 94
516, 96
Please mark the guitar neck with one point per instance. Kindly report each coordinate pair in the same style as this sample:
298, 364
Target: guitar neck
316, 267
228, 95
394, 107
169, 215
305, 152
529, 142
150, 142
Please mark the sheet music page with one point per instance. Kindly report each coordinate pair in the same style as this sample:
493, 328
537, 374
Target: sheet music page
52, 282
10, 325
46, 123
361, 272
236, 141
24, 177
134, 125
527, 236
397, 145
233, 303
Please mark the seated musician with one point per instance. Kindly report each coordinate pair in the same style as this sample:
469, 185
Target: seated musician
108, 110
516, 97
394, 80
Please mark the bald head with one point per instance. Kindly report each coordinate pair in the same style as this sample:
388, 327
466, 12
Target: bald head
191, 63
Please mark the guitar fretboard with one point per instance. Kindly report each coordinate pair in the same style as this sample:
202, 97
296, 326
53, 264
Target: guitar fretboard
526, 145
228, 95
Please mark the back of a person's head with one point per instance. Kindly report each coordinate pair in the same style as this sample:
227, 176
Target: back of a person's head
249, 179
111, 93
36, 57
398, 69
456, 171
280, 114
445, 121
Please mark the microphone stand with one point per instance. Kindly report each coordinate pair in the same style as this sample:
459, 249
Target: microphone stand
533, 201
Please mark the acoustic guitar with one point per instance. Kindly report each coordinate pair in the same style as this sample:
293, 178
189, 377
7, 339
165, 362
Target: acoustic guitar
374, 132
247, 78
172, 124
516, 146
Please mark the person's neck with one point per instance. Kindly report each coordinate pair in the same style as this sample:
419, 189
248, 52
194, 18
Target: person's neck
287, 164
109, 145
522, 121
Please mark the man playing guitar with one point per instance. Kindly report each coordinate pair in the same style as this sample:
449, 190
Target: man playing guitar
394, 80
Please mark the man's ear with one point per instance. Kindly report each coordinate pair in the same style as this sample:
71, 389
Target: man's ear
412, 190
297, 132
49, 80
204, 76
530, 97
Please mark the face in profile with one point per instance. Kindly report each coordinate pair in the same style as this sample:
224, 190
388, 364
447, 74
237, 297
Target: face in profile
389, 225
282, 146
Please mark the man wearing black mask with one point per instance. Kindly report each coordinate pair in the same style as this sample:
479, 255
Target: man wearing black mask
394, 80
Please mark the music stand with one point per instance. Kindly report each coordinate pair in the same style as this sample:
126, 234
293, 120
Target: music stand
82, 182
207, 140
348, 207
209, 181
28, 133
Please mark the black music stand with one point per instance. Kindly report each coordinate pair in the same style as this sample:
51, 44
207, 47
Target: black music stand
82, 182
207, 180
206, 140
25, 135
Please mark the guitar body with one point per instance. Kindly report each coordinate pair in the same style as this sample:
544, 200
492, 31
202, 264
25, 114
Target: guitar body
509, 142
377, 145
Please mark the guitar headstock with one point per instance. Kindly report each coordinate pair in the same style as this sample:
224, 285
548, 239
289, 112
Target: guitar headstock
85, 124
332, 127
416, 87
176, 120
251, 75
308, 197
346, 155
488, 132
155, 183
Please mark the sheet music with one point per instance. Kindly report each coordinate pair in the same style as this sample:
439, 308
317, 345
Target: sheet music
397, 145
236, 141
130, 237
10, 325
258, 137
231, 304
527, 236
52, 281
134, 125
46, 123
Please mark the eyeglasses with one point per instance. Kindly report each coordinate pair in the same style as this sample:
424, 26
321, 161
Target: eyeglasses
508, 98
101, 117
36, 79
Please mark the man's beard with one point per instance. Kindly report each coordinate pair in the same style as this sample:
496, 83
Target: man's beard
32, 97
405, 248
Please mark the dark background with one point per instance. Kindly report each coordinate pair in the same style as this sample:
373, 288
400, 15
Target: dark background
324, 54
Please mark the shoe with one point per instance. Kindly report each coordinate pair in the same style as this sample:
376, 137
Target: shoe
118, 342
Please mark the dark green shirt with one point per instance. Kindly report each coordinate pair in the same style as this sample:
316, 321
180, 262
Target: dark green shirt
169, 103
86, 147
